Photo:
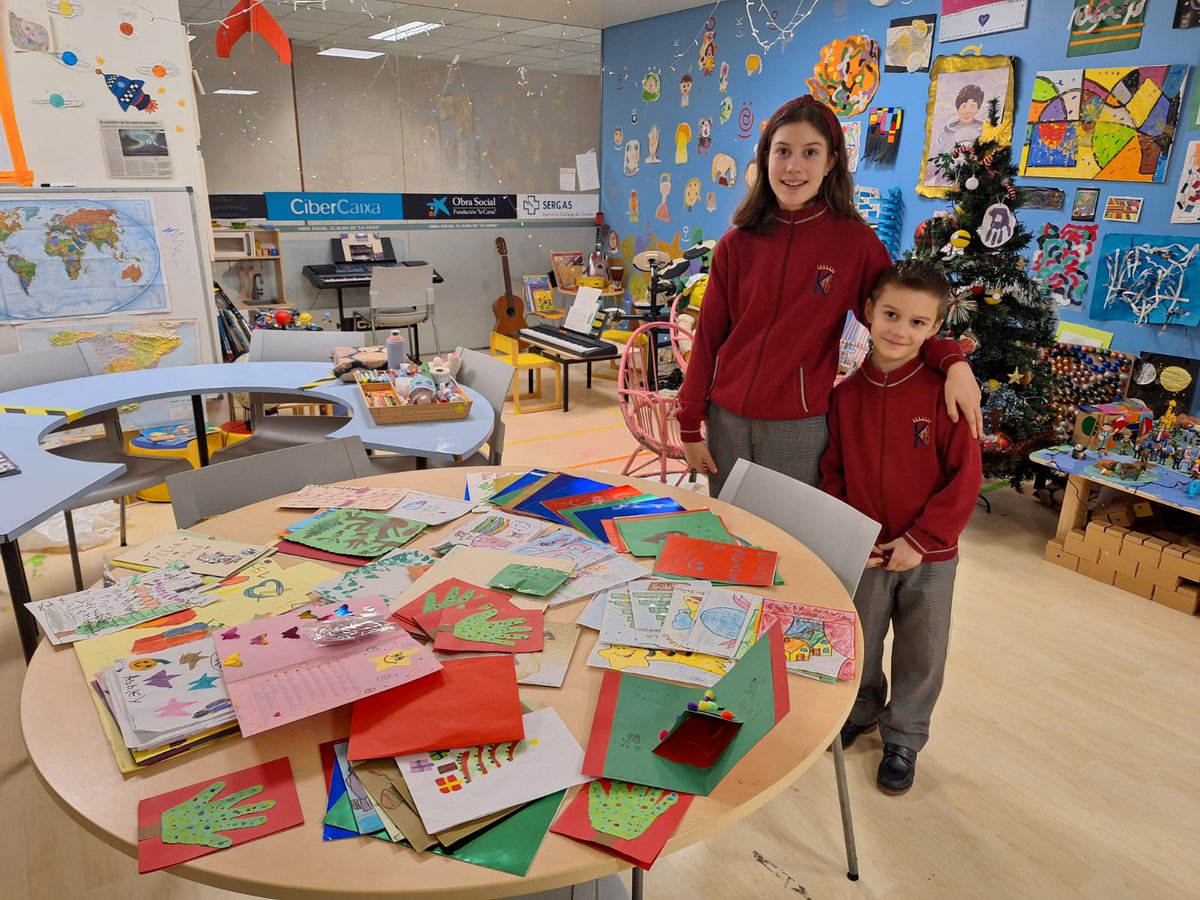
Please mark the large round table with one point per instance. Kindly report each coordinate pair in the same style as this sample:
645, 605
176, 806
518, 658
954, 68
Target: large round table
74, 762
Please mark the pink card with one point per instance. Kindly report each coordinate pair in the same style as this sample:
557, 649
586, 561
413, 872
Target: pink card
276, 673
490, 625
212, 815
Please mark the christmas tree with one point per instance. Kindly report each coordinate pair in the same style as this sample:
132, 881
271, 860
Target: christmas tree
1002, 318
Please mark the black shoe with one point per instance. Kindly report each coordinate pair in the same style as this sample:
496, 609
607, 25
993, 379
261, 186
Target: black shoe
850, 732
897, 770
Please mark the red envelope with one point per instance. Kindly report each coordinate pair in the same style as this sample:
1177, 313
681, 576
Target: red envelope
277, 784
713, 561
466, 703
496, 619
637, 820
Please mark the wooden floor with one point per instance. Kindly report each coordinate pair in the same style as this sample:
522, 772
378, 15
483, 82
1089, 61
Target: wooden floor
1062, 761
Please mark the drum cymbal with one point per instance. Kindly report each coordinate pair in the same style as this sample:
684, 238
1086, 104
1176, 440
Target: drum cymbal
650, 258
676, 268
699, 250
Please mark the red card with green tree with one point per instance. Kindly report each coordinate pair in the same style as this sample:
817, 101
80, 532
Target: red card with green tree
489, 625
630, 821
202, 818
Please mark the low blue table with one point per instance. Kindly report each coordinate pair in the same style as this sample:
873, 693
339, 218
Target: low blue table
48, 484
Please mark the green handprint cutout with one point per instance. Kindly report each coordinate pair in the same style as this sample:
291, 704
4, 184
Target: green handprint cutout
454, 597
626, 810
201, 819
479, 626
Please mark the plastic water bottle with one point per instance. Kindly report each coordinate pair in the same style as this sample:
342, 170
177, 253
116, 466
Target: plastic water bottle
397, 350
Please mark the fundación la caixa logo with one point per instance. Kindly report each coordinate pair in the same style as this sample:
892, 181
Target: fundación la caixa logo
438, 206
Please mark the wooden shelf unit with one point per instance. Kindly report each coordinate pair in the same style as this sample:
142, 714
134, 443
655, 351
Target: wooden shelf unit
250, 248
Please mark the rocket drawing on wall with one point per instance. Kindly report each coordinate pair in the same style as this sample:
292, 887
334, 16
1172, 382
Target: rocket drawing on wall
128, 92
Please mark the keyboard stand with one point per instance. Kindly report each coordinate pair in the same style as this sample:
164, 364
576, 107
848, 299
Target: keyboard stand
566, 359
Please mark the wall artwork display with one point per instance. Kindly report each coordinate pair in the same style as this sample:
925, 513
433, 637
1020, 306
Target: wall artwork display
1186, 209
1086, 202
960, 89
852, 136
1123, 209
883, 134
1061, 262
846, 76
1042, 197
963, 19
909, 44
1105, 26
1158, 379
1187, 14
1148, 279
12, 155
1114, 124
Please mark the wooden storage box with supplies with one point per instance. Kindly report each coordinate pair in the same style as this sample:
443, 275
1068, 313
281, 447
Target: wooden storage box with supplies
387, 407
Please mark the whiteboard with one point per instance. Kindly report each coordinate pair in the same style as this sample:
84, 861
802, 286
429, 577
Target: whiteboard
100, 257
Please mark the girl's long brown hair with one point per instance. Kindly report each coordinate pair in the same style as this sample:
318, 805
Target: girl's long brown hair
759, 208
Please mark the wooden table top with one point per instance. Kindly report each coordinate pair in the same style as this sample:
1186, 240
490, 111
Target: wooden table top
74, 761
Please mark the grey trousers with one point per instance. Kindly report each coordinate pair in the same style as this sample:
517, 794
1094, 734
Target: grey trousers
916, 604
793, 447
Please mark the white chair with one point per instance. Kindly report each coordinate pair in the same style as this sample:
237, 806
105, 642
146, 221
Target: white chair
277, 432
838, 534
403, 297
199, 493
491, 377
34, 367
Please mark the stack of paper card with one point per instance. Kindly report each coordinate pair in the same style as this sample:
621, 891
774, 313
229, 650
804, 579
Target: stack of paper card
202, 553
140, 598
817, 642
494, 530
645, 535
277, 672
686, 557
172, 696
351, 535
459, 615
339, 496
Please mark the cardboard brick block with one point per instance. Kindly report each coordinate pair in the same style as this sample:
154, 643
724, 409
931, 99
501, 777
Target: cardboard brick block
1186, 601
1143, 587
1122, 515
1142, 509
1076, 545
1117, 563
1057, 555
1096, 571
1184, 565
1094, 533
1112, 539
1148, 553
1158, 575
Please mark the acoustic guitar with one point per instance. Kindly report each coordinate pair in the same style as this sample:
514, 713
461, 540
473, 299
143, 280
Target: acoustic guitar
509, 309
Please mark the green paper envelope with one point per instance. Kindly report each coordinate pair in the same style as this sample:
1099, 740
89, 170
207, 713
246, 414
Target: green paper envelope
527, 579
511, 844
644, 535
632, 712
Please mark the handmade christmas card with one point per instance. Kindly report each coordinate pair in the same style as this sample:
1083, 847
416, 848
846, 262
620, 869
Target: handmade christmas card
630, 821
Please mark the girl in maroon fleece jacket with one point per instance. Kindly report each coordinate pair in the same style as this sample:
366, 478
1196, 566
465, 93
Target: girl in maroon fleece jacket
781, 282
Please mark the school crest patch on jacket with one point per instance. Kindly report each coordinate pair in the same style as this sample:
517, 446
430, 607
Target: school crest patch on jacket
921, 431
824, 282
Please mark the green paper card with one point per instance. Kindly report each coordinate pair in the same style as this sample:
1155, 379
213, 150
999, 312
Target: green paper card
536, 580
633, 712
511, 844
572, 514
645, 535
357, 532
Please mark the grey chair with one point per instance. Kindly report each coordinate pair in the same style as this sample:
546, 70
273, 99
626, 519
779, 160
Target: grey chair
199, 493
403, 297
492, 377
34, 367
839, 535
278, 432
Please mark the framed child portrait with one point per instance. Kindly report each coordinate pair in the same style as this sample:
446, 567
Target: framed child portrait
961, 89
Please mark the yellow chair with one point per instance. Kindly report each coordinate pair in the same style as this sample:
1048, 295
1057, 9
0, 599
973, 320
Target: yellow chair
508, 349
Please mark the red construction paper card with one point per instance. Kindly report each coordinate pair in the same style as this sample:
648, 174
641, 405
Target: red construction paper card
496, 626
467, 703
619, 492
216, 814
698, 740
293, 549
445, 596
712, 561
614, 536
630, 821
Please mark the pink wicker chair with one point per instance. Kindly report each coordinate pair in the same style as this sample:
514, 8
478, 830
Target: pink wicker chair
650, 413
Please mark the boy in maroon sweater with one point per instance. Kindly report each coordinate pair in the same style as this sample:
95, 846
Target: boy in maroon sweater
895, 455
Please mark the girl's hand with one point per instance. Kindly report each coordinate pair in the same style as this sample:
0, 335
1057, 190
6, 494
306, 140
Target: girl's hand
904, 556
962, 394
698, 458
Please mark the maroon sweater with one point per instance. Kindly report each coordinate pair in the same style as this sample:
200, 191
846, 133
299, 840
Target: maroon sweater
895, 455
767, 342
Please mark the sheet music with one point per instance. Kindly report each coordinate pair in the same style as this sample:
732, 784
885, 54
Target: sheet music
583, 311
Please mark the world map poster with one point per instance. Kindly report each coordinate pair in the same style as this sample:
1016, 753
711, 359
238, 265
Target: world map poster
76, 258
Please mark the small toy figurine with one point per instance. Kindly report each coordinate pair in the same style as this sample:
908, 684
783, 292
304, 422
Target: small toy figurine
1079, 452
1144, 449
1125, 445
1169, 455
1189, 457
1106, 441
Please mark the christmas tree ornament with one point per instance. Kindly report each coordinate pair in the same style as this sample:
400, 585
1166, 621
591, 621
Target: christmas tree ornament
998, 226
994, 298
1015, 376
967, 343
960, 239
971, 183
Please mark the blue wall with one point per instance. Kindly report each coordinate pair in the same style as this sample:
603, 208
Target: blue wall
632, 50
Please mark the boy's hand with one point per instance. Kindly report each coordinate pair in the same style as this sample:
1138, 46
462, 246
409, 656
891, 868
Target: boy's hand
962, 393
698, 458
902, 555
878, 557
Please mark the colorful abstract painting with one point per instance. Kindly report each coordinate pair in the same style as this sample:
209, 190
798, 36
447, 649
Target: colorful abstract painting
1061, 262
847, 75
1114, 124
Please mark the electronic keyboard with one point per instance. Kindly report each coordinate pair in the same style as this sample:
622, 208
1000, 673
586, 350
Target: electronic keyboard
553, 338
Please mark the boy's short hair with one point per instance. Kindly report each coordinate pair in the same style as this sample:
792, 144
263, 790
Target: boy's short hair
916, 275
969, 92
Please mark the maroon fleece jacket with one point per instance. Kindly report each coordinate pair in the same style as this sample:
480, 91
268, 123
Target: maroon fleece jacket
895, 455
767, 342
